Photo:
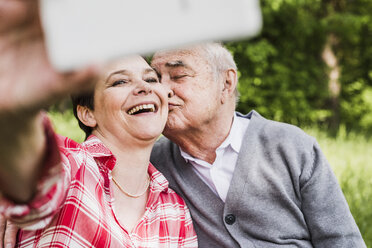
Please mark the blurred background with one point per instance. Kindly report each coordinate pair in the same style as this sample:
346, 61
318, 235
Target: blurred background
311, 67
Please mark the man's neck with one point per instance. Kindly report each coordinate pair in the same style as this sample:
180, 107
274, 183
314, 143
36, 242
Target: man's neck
203, 142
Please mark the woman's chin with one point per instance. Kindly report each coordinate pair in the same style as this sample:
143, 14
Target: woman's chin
149, 136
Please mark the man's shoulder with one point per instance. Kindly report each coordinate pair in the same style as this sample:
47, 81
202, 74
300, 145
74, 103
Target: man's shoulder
275, 131
163, 144
162, 151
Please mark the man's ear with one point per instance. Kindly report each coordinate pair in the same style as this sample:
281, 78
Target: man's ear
229, 84
86, 116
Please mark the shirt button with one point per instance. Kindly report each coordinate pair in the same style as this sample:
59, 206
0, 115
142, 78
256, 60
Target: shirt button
230, 219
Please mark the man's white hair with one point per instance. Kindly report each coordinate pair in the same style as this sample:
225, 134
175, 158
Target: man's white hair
218, 58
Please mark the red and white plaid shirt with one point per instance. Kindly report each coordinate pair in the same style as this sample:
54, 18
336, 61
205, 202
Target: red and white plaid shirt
74, 204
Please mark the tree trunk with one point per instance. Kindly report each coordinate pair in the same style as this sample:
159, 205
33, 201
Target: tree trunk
334, 86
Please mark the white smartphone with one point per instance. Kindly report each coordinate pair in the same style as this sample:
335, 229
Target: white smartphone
79, 32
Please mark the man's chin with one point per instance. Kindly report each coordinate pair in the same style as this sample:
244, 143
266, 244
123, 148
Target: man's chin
171, 129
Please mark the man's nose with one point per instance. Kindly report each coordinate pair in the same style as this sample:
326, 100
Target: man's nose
170, 93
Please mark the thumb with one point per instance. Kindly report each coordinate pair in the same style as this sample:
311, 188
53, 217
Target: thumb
10, 235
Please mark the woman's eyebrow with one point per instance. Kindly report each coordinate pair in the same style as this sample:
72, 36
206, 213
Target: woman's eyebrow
123, 72
149, 70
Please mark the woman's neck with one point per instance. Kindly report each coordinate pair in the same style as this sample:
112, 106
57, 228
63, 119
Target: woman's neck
131, 178
132, 160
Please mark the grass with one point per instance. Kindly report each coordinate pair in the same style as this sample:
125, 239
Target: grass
66, 124
350, 155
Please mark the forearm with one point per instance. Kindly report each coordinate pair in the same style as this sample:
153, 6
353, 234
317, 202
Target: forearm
28, 82
22, 149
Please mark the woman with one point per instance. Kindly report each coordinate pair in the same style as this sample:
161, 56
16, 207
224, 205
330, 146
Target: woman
104, 192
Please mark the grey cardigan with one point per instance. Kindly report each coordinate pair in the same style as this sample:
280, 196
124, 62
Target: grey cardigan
283, 193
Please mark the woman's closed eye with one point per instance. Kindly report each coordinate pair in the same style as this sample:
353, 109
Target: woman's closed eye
119, 82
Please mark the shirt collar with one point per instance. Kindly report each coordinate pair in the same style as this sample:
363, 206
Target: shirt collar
234, 139
99, 151
158, 182
238, 128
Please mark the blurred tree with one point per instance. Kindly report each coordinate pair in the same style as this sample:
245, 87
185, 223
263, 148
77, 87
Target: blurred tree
311, 63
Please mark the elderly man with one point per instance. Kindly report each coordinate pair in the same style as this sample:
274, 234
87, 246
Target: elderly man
248, 181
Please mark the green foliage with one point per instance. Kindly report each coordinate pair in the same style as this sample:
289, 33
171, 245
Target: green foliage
366, 121
66, 124
283, 75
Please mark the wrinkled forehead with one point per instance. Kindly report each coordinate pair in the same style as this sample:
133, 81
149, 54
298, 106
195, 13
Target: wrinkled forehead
189, 58
135, 64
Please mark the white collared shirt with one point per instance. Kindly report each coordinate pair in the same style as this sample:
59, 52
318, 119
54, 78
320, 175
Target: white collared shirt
219, 174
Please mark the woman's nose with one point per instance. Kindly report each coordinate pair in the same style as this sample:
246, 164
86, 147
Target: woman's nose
143, 88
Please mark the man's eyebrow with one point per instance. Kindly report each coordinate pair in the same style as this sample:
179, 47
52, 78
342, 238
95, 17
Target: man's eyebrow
175, 64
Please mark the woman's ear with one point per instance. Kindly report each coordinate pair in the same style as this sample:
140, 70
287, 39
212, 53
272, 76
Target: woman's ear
229, 84
86, 116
